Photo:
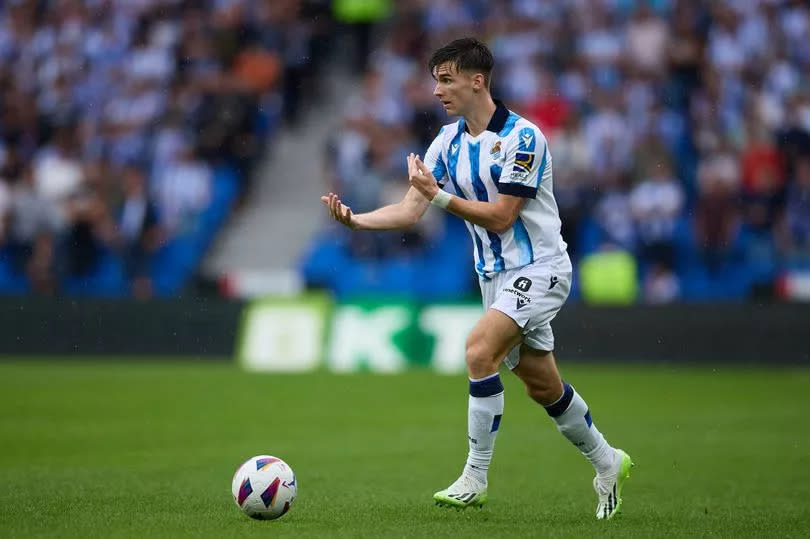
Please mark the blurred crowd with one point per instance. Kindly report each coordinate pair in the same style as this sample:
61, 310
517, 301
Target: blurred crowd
679, 129
116, 114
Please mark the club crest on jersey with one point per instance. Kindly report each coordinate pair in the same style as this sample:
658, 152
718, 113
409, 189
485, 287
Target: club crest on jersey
495, 152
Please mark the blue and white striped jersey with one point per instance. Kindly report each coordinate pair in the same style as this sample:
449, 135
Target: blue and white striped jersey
511, 156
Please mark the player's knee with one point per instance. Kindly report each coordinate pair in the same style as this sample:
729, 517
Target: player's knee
480, 359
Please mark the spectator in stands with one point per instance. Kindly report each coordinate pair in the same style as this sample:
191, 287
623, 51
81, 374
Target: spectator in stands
656, 204
285, 35
58, 173
128, 116
20, 125
600, 43
794, 135
684, 53
763, 180
5, 209
660, 285
549, 109
795, 229
647, 38
610, 141
612, 213
256, 68
569, 149
182, 190
717, 216
88, 226
33, 230
725, 47
169, 140
425, 119
138, 233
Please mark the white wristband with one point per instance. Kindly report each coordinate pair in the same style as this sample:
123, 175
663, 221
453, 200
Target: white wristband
442, 199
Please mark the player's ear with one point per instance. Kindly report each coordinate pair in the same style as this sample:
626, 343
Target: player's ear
478, 82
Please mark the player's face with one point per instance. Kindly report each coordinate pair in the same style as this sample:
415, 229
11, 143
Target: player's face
454, 88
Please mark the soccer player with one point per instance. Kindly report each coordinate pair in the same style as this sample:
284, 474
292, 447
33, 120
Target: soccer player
492, 168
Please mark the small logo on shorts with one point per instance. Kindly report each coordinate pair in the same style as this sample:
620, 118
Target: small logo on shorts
521, 303
553, 282
523, 284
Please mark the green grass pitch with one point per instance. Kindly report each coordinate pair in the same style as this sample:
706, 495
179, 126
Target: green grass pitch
147, 449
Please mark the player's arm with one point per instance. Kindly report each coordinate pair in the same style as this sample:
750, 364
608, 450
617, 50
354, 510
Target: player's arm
403, 214
497, 216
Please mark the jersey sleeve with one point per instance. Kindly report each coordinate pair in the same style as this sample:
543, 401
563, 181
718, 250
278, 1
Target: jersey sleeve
526, 156
435, 161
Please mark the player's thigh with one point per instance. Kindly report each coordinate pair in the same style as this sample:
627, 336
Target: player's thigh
492, 338
532, 297
538, 371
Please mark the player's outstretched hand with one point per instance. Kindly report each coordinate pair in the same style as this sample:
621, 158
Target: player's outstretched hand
421, 178
339, 211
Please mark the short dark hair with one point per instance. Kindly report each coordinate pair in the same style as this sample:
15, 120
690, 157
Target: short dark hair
467, 54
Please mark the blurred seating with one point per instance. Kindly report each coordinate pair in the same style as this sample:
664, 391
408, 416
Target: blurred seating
128, 133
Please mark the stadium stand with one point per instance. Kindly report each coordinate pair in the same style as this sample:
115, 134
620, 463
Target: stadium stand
128, 131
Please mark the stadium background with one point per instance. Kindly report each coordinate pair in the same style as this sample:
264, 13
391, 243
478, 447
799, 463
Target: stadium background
173, 298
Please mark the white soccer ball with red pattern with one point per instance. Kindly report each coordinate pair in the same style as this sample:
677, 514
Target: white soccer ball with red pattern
264, 487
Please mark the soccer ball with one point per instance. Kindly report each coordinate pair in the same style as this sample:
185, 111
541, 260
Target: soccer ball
264, 487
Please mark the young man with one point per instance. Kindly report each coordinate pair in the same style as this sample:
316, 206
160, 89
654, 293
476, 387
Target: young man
498, 168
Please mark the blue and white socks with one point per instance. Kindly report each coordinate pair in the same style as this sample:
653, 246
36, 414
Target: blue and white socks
573, 420
570, 413
483, 419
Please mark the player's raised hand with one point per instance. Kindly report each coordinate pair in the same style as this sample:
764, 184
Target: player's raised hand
339, 211
412, 170
421, 178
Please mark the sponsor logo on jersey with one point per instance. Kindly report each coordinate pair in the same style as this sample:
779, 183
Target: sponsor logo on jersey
453, 149
553, 282
524, 161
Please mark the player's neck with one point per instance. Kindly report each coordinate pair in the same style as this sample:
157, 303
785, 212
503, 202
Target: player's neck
478, 119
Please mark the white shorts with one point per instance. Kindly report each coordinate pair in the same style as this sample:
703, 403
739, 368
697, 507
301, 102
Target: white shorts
531, 296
